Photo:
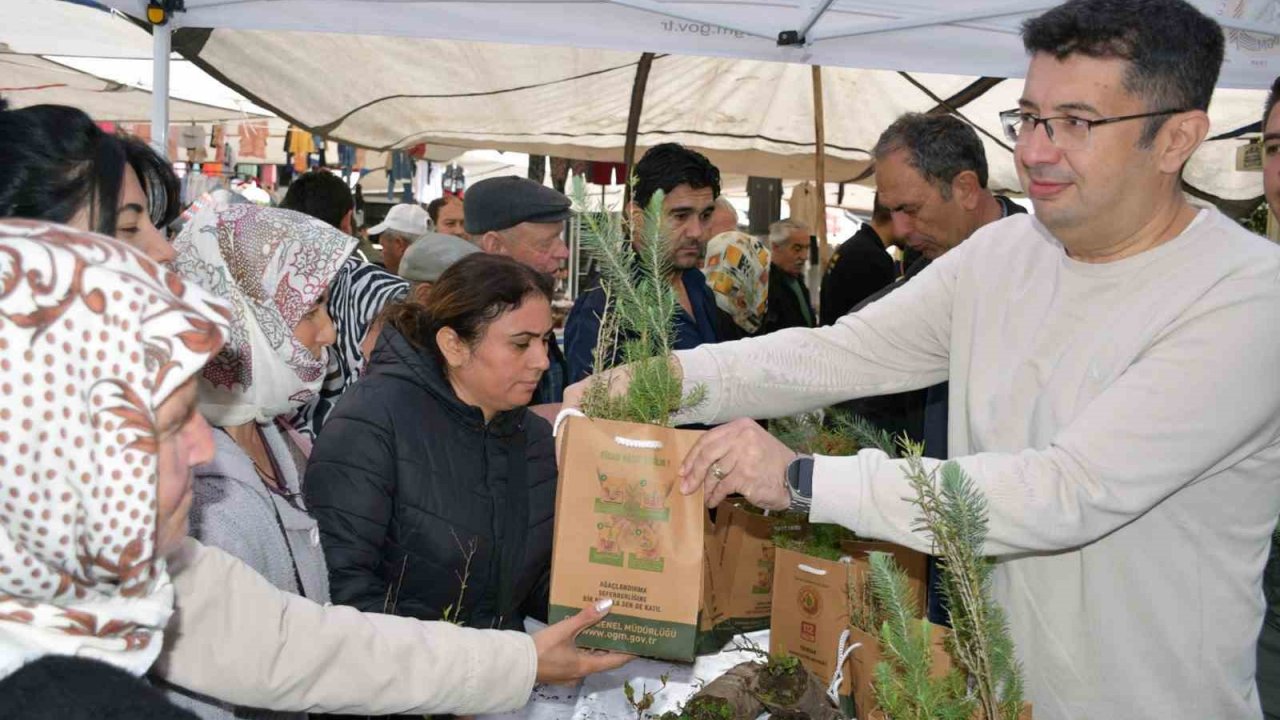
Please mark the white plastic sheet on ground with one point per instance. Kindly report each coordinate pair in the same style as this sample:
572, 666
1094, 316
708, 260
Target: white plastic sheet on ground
600, 696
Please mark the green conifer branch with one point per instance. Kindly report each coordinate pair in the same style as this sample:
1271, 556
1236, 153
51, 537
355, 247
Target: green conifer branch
902, 682
953, 512
638, 324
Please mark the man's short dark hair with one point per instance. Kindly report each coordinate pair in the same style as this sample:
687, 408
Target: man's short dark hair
1174, 51
433, 207
320, 194
940, 147
669, 165
879, 213
1272, 97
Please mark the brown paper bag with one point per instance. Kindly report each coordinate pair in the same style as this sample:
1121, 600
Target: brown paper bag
743, 569
810, 610
624, 531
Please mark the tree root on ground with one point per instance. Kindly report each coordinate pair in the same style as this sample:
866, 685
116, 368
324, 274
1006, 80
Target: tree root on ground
783, 687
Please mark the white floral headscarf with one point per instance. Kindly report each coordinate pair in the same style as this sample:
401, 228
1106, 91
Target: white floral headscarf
93, 338
737, 272
271, 265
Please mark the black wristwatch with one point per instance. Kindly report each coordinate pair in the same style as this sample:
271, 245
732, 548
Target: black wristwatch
800, 483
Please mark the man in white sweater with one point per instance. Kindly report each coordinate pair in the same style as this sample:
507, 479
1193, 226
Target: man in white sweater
1115, 385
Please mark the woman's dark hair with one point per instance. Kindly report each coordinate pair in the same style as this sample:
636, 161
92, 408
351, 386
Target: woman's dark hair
54, 161
469, 296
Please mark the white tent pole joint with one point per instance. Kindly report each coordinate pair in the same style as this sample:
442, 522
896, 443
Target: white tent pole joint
800, 37
161, 45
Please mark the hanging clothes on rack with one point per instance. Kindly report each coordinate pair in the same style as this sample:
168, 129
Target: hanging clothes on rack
301, 143
253, 139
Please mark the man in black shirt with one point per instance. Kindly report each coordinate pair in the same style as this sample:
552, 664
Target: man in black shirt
859, 268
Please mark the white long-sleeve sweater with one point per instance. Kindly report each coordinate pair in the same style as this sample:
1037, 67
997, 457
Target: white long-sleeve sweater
1123, 420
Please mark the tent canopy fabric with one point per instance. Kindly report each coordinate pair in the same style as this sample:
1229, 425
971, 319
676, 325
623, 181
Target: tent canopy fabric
27, 80
749, 116
71, 54
971, 37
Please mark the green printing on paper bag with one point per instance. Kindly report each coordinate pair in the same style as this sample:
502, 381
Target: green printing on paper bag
638, 563
606, 558
608, 508
636, 635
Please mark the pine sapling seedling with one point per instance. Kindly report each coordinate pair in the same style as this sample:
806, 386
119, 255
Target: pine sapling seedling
638, 325
903, 683
953, 512
645, 700
453, 613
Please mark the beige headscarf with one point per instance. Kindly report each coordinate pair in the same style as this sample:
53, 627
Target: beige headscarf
271, 265
93, 338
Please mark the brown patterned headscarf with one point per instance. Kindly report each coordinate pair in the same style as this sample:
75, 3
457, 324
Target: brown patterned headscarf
93, 338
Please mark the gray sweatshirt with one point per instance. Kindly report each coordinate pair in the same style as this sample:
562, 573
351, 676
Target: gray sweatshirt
1123, 421
233, 510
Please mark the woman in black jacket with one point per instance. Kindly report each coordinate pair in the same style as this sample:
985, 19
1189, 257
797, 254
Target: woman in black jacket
433, 485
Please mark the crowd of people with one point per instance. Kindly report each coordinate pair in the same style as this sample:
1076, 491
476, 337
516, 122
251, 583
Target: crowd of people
246, 470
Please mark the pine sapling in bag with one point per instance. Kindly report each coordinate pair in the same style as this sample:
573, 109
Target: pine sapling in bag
623, 528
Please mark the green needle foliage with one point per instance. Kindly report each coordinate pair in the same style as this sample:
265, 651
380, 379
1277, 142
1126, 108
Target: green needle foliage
638, 327
831, 432
904, 687
954, 512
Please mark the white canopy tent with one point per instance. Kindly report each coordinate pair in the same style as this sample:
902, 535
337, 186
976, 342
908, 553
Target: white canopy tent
973, 37
373, 72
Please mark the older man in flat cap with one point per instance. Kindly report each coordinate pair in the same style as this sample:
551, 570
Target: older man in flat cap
519, 218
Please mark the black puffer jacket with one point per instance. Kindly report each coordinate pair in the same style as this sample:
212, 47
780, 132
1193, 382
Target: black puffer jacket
404, 478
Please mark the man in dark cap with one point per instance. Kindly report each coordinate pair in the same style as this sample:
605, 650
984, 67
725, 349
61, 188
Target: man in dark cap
523, 220
517, 217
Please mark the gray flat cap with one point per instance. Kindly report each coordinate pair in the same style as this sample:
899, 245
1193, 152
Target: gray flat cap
432, 254
504, 202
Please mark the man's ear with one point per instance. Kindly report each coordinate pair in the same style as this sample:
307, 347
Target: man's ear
455, 351
966, 190
491, 242
345, 225
418, 291
1179, 137
636, 215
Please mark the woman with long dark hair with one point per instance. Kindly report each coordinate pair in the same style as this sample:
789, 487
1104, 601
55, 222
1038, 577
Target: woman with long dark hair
56, 164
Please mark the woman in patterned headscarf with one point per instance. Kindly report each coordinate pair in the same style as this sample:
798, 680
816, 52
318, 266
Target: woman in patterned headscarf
98, 431
274, 267
737, 272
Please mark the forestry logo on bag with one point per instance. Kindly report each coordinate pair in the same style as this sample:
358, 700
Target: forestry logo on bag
810, 601
626, 510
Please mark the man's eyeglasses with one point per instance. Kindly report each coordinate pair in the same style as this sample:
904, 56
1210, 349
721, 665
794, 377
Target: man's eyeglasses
1065, 132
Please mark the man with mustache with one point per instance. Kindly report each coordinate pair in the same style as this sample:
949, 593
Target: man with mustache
1113, 395
690, 186
931, 172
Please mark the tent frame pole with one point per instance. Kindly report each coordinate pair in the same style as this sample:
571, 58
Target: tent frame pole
633, 123
161, 44
820, 183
